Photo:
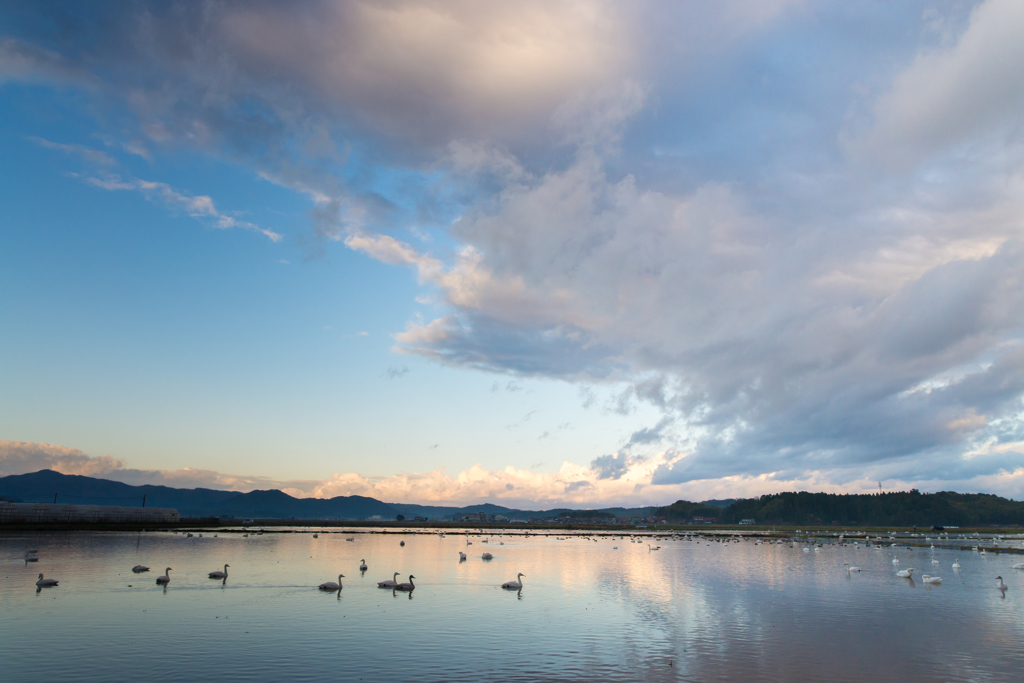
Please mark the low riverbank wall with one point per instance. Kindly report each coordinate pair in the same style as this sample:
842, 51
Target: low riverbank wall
47, 513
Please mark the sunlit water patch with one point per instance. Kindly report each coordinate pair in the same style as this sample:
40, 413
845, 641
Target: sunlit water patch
589, 609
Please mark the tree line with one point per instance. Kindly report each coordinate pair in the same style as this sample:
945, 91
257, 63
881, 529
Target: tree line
904, 508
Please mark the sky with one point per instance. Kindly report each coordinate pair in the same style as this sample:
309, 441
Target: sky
535, 253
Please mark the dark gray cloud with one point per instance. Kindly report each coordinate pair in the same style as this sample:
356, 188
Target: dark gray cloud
396, 372
611, 466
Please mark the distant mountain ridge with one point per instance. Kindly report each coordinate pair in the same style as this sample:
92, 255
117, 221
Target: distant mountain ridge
45, 486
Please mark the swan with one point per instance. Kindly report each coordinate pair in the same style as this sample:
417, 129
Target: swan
362, 565
906, 574
330, 586
487, 556
931, 579
1019, 565
139, 568
390, 583
220, 575
956, 564
649, 548
462, 555
350, 539
30, 556
42, 583
934, 561
406, 586
1001, 586
165, 579
896, 561
849, 568
316, 535
514, 585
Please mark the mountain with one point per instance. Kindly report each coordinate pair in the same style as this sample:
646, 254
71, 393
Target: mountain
46, 485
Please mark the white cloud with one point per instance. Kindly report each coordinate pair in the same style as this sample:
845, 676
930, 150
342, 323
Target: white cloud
196, 206
571, 485
93, 156
954, 95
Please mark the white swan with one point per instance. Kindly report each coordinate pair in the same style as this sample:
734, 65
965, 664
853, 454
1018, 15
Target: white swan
462, 555
514, 585
905, 574
1001, 586
390, 583
362, 566
487, 556
934, 561
896, 561
1019, 565
220, 575
849, 568
406, 586
139, 568
956, 564
330, 586
43, 583
165, 579
931, 579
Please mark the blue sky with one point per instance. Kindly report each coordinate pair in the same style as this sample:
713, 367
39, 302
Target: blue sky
540, 254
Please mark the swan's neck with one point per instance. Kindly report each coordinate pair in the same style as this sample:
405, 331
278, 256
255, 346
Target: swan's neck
339, 581
411, 583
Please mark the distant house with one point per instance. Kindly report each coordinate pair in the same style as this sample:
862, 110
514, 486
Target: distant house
474, 517
375, 518
419, 519
748, 522
705, 520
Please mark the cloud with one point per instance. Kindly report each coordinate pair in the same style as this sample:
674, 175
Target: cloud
572, 485
24, 61
19, 457
22, 457
93, 156
794, 234
196, 206
396, 372
953, 95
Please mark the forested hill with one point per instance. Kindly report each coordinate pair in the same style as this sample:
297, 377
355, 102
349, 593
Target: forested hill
906, 508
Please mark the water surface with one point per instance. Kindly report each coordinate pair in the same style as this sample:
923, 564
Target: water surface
695, 610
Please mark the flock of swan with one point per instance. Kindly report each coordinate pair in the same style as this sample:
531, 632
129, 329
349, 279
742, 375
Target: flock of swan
516, 584
327, 586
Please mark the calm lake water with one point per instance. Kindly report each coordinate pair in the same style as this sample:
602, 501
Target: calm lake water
692, 611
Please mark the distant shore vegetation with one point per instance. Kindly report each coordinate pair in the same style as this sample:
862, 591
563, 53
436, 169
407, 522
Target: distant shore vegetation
904, 509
